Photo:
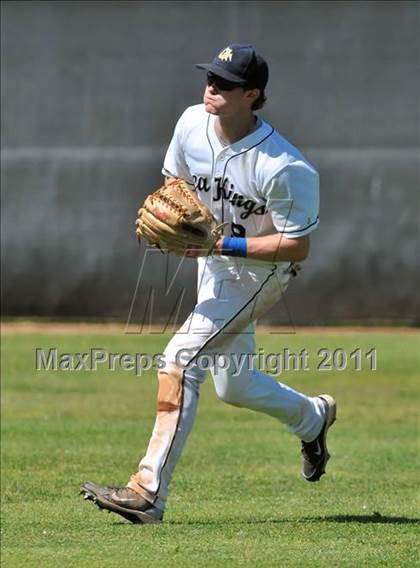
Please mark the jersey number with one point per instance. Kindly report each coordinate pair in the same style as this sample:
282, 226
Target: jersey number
238, 230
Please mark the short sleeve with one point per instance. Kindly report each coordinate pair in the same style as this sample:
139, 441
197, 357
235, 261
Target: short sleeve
292, 198
174, 163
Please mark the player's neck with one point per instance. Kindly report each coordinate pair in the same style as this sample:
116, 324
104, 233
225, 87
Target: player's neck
230, 129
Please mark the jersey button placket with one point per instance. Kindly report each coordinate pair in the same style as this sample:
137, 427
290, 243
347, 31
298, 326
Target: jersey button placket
220, 160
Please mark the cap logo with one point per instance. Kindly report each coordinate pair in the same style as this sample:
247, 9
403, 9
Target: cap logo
226, 54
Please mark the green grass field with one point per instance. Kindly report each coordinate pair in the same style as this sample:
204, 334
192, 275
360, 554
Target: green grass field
237, 498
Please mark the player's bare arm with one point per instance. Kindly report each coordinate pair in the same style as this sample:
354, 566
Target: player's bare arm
274, 248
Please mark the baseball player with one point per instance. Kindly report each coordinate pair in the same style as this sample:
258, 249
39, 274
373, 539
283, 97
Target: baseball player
265, 194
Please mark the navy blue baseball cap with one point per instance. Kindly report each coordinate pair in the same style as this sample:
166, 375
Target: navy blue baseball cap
240, 64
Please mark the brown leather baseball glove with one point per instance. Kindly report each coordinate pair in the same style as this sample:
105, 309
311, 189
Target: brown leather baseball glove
174, 219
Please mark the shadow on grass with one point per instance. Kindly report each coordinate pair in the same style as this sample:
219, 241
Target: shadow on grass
375, 518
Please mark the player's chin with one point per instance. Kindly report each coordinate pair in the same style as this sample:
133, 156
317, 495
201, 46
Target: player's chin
210, 107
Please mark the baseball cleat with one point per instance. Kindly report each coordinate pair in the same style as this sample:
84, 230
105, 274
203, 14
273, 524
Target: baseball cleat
123, 501
315, 454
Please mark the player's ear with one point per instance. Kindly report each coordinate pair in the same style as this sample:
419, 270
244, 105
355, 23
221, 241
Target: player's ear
252, 95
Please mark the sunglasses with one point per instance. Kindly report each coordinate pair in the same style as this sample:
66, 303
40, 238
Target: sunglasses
220, 83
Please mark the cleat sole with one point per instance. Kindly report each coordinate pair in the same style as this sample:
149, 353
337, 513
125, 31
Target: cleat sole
103, 504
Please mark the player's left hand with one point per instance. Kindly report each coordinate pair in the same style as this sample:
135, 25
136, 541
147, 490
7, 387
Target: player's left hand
174, 219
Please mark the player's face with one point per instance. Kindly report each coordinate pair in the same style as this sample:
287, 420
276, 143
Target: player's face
223, 97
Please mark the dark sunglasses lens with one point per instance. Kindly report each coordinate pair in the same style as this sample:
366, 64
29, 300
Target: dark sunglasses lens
220, 83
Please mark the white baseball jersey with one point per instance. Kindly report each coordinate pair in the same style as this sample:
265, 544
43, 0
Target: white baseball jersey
259, 185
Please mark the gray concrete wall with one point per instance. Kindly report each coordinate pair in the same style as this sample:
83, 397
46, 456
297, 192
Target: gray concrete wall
90, 95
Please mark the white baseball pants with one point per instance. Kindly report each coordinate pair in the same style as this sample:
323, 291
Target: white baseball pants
221, 329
